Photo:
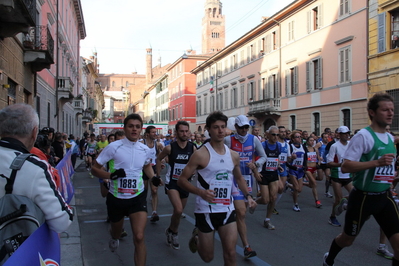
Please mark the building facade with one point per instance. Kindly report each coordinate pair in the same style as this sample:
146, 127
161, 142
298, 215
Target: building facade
384, 51
303, 67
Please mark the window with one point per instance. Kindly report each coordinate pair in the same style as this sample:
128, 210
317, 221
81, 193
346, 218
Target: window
234, 97
274, 40
292, 122
395, 121
226, 97
242, 55
315, 18
260, 89
11, 92
344, 7
291, 31
395, 28
212, 104
251, 91
314, 74
291, 81
346, 117
345, 65
272, 87
316, 123
219, 101
26, 96
242, 94
205, 104
113, 83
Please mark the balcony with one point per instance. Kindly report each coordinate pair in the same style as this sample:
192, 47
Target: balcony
65, 89
78, 105
87, 115
16, 16
39, 45
266, 106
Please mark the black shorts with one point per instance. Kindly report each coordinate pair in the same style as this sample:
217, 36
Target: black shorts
208, 222
363, 204
268, 178
173, 185
145, 177
119, 208
342, 181
322, 166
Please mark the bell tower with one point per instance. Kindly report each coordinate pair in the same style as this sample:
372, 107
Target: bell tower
213, 27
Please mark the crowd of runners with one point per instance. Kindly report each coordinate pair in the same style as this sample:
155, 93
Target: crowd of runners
234, 171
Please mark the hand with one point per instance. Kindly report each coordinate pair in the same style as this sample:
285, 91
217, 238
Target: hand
251, 166
258, 177
252, 203
119, 173
386, 159
156, 181
207, 195
293, 156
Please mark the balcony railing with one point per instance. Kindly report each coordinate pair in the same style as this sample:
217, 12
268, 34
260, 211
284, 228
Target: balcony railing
65, 89
39, 40
268, 105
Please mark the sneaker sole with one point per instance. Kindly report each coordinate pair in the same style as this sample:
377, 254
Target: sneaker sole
250, 256
336, 225
384, 256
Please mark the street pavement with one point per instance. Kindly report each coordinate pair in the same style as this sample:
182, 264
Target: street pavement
300, 238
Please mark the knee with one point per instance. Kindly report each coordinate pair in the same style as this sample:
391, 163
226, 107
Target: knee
178, 211
206, 257
138, 238
230, 255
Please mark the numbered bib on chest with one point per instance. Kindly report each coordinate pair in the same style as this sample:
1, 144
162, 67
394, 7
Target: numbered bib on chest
283, 157
298, 162
248, 181
312, 157
131, 184
177, 170
271, 164
384, 174
90, 150
221, 185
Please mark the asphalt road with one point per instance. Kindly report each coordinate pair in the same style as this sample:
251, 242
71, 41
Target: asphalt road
300, 238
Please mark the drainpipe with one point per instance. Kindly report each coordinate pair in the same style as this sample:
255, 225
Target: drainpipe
57, 71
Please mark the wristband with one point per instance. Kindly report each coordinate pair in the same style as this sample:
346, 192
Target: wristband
248, 195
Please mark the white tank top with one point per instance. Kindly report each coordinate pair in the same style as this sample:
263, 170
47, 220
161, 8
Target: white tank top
217, 176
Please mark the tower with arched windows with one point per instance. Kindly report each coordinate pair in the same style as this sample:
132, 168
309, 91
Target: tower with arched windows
213, 27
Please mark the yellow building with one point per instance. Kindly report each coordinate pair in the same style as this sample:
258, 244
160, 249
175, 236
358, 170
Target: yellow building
383, 73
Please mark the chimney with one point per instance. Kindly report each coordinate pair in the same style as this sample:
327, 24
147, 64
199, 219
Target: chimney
149, 65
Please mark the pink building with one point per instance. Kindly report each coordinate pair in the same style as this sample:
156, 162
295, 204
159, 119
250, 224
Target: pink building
302, 68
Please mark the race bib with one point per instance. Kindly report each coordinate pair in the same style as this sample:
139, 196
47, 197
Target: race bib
283, 158
298, 162
271, 164
384, 174
221, 186
312, 157
130, 184
177, 170
90, 150
248, 181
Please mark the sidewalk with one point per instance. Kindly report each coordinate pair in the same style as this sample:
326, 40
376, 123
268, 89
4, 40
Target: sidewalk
71, 249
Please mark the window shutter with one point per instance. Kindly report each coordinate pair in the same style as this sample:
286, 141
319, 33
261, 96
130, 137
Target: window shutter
260, 94
309, 20
320, 16
248, 53
295, 80
308, 85
320, 74
287, 83
278, 91
269, 87
381, 32
277, 39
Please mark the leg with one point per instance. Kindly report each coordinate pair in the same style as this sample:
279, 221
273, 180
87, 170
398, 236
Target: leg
337, 194
312, 185
205, 244
228, 237
264, 192
273, 187
241, 210
154, 196
138, 222
178, 207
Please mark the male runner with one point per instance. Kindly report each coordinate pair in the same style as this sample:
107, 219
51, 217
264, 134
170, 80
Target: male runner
246, 145
150, 137
126, 197
178, 154
214, 211
370, 156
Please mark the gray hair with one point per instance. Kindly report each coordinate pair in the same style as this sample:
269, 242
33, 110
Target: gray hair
18, 120
272, 127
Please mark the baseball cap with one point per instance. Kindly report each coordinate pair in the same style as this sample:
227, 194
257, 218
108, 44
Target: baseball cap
343, 129
241, 121
167, 135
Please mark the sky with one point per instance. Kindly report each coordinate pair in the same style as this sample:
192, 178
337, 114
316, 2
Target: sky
121, 30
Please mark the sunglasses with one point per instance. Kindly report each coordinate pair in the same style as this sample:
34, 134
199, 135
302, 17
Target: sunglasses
297, 137
243, 127
274, 134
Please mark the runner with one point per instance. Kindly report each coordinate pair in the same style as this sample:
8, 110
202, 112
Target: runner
90, 152
370, 156
269, 179
150, 137
324, 170
313, 158
126, 197
217, 167
178, 154
338, 179
246, 145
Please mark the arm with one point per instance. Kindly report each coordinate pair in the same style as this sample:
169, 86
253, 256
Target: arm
164, 153
349, 166
148, 170
260, 152
240, 179
197, 160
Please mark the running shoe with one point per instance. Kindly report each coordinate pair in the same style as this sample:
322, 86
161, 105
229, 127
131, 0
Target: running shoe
249, 253
328, 195
168, 236
175, 243
384, 252
318, 204
296, 208
113, 244
324, 260
268, 225
341, 206
333, 221
124, 233
275, 211
192, 244
154, 217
